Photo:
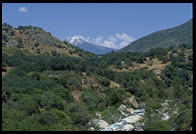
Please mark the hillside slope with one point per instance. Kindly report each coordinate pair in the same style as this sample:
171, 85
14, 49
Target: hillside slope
37, 41
176, 36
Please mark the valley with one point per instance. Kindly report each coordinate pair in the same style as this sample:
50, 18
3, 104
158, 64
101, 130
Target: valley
51, 85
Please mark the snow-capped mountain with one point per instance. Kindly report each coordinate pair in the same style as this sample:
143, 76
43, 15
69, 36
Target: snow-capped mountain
86, 46
76, 41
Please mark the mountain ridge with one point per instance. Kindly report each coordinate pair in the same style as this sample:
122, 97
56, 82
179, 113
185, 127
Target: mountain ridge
181, 34
37, 41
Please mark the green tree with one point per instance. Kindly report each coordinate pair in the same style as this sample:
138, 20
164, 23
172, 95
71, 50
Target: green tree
36, 44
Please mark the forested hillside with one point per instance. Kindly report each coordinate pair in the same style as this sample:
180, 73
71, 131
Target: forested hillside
175, 37
82, 91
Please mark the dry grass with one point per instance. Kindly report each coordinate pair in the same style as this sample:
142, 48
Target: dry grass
114, 84
28, 44
8, 69
156, 64
76, 95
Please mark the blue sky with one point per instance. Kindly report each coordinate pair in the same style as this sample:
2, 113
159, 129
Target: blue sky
111, 25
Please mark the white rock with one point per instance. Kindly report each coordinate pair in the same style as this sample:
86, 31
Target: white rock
132, 119
91, 129
130, 110
124, 113
122, 107
100, 123
127, 127
89, 123
165, 116
99, 115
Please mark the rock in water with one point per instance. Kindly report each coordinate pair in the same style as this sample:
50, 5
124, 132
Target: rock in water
106, 129
130, 110
132, 119
127, 127
100, 123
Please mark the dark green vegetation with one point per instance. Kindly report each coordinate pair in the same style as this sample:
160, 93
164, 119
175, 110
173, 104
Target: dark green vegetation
59, 92
170, 37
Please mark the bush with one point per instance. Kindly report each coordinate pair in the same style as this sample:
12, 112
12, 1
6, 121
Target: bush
111, 114
149, 63
105, 82
90, 98
54, 53
78, 114
38, 51
153, 105
47, 118
36, 44
4, 37
159, 125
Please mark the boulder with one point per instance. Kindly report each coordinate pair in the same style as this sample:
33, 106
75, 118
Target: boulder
100, 123
132, 119
127, 127
139, 126
122, 107
91, 129
125, 114
157, 72
98, 115
165, 116
131, 100
130, 110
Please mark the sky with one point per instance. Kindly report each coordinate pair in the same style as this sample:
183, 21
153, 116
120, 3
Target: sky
113, 25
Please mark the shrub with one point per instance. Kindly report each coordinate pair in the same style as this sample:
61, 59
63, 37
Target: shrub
36, 44
105, 82
38, 51
159, 125
47, 118
111, 114
149, 63
20, 45
54, 53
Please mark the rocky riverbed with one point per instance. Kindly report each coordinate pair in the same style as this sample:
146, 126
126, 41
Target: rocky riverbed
129, 122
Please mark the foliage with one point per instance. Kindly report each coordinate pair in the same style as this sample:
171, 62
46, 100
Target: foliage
36, 44
37, 92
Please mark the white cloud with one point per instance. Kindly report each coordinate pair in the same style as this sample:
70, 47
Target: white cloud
23, 9
116, 41
98, 40
112, 38
109, 44
124, 37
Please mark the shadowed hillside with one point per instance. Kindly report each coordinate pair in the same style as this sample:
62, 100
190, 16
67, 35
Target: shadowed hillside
170, 37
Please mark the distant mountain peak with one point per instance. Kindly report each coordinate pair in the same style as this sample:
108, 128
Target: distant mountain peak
89, 47
76, 40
